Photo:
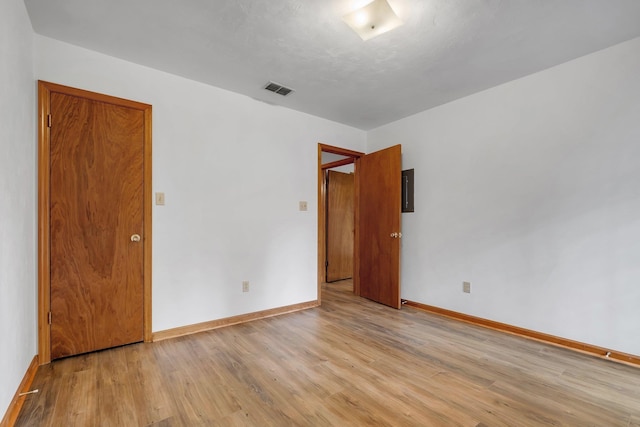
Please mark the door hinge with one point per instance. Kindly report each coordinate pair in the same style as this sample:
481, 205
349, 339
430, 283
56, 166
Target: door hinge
49, 317
326, 263
48, 120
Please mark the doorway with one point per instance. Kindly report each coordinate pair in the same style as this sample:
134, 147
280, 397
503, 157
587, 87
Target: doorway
376, 253
331, 157
94, 208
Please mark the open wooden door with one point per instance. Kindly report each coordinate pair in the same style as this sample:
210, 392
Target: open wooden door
340, 225
378, 232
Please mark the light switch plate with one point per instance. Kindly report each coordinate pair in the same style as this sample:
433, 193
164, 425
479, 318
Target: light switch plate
160, 199
466, 287
303, 206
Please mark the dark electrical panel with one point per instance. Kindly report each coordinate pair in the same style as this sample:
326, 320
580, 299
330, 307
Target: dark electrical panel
407, 190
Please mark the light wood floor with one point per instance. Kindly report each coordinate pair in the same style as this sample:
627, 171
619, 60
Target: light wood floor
349, 363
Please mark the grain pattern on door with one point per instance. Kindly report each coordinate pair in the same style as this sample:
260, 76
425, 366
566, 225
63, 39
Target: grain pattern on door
379, 202
96, 205
340, 225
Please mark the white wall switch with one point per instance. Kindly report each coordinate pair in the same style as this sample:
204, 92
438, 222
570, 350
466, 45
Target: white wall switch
159, 198
303, 206
245, 286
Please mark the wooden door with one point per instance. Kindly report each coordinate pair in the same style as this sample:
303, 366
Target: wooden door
96, 155
340, 225
379, 197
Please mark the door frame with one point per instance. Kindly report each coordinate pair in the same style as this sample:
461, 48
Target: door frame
44, 199
351, 157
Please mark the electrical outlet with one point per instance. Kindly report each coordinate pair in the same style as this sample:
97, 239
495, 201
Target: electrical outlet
245, 286
466, 287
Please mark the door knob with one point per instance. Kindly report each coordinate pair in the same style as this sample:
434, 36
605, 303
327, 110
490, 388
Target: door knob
394, 235
135, 237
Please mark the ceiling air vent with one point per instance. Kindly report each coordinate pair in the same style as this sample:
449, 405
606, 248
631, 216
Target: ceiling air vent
279, 89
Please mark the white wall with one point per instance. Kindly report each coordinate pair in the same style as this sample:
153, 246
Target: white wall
233, 170
17, 199
531, 191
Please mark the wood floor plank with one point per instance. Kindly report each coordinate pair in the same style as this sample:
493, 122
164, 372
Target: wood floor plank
115, 402
349, 362
150, 391
556, 404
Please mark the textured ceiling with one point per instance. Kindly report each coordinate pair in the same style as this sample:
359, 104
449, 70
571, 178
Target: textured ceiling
446, 49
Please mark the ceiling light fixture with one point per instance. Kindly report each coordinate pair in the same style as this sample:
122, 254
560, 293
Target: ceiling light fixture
373, 19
